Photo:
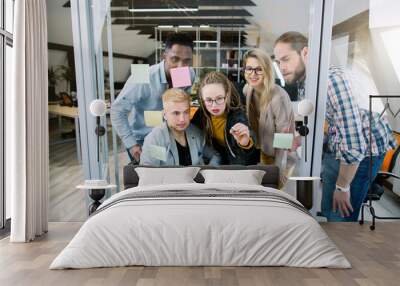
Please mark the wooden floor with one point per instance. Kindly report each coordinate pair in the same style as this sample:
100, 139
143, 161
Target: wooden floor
374, 255
66, 203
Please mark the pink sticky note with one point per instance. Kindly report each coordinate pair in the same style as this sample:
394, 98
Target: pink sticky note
180, 77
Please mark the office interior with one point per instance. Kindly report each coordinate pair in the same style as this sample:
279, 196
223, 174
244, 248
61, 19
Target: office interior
91, 47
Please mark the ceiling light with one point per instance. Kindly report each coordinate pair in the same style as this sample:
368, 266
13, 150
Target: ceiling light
185, 26
165, 26
204, 26
206, 42
164, 10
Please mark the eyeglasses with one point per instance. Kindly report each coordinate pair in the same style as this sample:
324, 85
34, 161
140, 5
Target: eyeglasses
257, 70
218, 101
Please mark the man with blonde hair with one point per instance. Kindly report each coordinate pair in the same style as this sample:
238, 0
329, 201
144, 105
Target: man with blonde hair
176, 141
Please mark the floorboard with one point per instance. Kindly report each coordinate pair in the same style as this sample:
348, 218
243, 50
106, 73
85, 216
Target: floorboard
374, 255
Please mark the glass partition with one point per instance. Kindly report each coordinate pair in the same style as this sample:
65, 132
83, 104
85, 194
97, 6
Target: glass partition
216, 48
129, 77
360, 129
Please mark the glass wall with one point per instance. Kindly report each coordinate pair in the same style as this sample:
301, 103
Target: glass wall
217, 47
66, 203
364, 62
122, 66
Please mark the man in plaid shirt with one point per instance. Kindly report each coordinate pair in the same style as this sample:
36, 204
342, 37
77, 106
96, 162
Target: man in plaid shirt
346, 157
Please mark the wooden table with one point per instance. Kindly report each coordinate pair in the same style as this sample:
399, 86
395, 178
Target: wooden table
70, 112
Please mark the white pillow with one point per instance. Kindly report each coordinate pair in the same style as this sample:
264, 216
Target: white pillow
166, 176
248, 177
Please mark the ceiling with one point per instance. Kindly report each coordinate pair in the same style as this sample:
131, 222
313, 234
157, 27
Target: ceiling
226, 13
263, 20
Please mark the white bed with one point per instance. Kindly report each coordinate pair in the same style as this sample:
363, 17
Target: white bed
221, 225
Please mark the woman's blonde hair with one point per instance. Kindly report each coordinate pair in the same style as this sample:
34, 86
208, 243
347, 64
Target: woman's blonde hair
253, 111
232, 100
175, 95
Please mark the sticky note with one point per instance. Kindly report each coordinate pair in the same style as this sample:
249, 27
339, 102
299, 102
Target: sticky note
180, 77
140, 73
153, 118
283, 140
158, 152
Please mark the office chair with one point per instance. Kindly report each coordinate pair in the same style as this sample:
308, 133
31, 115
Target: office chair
377, 187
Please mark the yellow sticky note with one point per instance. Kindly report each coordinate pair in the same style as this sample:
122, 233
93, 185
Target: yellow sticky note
153, 118
158, 152
283, 140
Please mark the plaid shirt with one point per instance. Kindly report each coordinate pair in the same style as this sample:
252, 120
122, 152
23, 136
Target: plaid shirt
382, 134
348, 132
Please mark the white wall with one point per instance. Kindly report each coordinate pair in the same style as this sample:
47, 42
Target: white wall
345, 9
122, 68
277, 17
125, 42
340, 51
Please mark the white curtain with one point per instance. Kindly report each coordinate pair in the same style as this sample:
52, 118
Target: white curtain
27, 123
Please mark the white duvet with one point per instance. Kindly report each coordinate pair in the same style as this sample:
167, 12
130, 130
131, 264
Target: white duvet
183, 231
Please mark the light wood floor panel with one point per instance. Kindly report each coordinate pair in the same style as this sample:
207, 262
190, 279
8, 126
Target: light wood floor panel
374, 255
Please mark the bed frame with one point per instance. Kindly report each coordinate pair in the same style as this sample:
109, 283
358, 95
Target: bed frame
270, 179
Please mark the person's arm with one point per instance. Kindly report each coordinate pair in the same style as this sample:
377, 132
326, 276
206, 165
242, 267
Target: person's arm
341, 198
146, 157
214, 158
120, 109
240, 131
208, 154
344, 112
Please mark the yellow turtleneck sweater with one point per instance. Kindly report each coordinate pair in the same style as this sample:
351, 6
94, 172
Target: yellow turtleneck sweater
218, 127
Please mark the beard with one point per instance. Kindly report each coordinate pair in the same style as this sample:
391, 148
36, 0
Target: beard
299, 73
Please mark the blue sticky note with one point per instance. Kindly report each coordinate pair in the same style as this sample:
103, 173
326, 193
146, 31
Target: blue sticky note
140, 73
283, 140
158, 152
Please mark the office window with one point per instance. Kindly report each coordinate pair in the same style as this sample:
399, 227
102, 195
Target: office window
9, 15
7, 94
6, 44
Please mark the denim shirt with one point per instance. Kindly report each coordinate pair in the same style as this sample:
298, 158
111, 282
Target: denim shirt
127, 111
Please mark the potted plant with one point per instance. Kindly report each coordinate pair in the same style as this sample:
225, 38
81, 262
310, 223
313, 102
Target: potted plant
52, 81
66, 74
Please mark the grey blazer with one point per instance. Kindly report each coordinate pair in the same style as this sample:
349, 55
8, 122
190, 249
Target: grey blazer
162, 137
276, 117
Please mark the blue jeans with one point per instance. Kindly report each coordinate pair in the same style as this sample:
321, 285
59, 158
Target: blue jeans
358, 187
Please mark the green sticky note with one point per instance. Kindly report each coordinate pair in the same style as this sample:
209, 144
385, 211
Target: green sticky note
158, 152
283, 140
153, 118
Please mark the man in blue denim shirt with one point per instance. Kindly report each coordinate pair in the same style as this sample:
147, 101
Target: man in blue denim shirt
346, 159
135, 98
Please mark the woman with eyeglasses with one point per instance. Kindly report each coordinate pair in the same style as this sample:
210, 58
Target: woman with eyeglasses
268, 106
223, 120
